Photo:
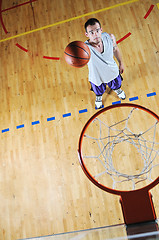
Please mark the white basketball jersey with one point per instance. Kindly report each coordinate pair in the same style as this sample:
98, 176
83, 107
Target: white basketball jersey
102, 66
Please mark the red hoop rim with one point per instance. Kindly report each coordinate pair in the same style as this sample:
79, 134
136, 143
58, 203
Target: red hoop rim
87, 173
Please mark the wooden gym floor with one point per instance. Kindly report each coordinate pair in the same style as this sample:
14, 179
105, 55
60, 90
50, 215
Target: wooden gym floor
44, 103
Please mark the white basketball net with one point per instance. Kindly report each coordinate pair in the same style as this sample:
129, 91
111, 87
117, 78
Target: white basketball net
147, 149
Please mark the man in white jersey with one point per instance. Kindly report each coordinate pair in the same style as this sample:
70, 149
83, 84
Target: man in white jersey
103, 69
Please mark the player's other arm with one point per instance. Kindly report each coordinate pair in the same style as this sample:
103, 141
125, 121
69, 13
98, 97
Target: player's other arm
117, 54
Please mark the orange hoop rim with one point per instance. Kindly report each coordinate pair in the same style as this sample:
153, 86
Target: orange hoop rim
83, 166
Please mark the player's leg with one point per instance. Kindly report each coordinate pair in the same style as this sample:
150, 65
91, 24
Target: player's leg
116, 86
98, 90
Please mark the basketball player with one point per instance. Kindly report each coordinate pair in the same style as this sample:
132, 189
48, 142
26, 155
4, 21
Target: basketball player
102, 66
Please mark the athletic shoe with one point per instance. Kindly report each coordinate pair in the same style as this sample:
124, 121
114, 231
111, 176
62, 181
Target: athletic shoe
98, 102
120, 93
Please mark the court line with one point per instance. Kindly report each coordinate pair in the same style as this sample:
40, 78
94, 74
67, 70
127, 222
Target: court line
117, 102
66, 115
57, 58
4, 10
68, 20
80, 112
1, 19
149, 11
52, 58
151, 94
35, 122
5, 130
123, 38
133, 98
20, 126
83, 111
22, 48
50, 119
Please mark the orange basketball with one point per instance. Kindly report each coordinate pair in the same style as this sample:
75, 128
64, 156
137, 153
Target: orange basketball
77, 54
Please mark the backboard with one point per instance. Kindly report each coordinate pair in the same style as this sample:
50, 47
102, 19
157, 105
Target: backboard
144, 231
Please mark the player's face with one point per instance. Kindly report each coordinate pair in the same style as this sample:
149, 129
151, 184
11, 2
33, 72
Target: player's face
94, 33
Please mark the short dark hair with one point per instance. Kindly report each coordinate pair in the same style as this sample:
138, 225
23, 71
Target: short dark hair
91, 21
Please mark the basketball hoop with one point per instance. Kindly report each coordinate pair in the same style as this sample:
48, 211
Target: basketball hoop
119, 152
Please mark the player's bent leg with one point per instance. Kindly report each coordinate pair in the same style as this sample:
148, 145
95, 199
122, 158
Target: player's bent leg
115, 85
99, 91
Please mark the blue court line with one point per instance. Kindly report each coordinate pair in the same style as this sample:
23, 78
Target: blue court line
151, 94
5, 130
83, 111
35, 122
116, 102
50, 119
66, 115
133, 98
20, 126
80, 111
